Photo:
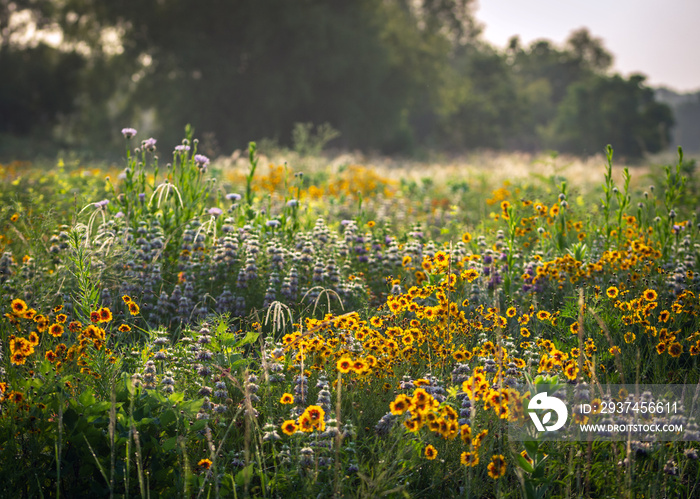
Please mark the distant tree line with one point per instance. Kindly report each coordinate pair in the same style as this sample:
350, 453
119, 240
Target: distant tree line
390, 75
686, 111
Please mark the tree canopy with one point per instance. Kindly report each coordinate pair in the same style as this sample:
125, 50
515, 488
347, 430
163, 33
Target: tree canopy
389, 75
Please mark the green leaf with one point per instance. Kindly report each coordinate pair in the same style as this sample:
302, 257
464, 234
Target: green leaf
198, 425
177, 397
525, 464
191, 407
100, 407
169, 444
531, 447
250, 337
86, 398
227, 339
244, 475
168, 417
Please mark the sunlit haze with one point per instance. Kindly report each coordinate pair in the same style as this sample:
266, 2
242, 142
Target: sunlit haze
658, 39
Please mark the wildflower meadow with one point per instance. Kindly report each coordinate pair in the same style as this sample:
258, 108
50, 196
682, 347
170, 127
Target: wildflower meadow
180, 326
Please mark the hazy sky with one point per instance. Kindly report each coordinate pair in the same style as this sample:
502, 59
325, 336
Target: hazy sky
658, 38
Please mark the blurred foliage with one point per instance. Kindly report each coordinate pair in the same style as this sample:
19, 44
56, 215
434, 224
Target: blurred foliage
394, 76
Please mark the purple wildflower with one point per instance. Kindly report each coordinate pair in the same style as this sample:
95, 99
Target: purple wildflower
214, 211
201, 160
233, 196
149, 144
128, 132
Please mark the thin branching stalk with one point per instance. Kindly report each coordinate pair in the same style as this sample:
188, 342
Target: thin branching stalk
112, 425
99, 466
605, 329
139, 459
59, 443
339, 435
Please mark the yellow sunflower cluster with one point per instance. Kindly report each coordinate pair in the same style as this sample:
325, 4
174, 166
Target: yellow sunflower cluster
131, 305
505, 402
425, 411
26, 319
638, 261
312, 419
664, 326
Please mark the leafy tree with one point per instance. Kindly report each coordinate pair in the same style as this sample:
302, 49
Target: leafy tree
391, 75
39, 82
484, 107
615, 110
245, 70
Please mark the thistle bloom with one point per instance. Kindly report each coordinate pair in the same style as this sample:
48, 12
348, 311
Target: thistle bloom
149, 144
214, 211
128, 132
201, 161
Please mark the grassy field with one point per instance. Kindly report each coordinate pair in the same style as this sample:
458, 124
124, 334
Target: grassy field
286, 326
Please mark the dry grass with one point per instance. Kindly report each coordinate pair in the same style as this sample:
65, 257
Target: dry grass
487, 169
